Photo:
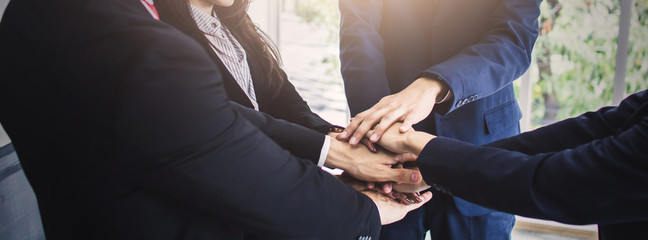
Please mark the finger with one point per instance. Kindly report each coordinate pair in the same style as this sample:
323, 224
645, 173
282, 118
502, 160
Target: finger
404, 175
349, 130
367, 124
387, 187
340, 138
371, 185
407, 124
384, 124
369, 145
424, 198
405, 157
380, 187
403, 199
413, 197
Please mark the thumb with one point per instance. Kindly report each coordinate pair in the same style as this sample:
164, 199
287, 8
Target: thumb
407, 124
403, 175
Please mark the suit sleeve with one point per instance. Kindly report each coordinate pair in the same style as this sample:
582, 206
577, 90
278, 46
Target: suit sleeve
572, 132
298, 140
290, 106
361, 54
602, 178
177, 135
501, 56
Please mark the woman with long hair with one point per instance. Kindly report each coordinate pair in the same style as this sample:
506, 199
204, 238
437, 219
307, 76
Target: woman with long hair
247, 58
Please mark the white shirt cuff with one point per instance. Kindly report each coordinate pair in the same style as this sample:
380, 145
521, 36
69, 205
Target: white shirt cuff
325, 150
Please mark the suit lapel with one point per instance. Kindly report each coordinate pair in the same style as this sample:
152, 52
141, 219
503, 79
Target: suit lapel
258, 78
232, 87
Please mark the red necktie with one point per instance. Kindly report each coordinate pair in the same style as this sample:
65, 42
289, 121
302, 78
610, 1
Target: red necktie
148, 4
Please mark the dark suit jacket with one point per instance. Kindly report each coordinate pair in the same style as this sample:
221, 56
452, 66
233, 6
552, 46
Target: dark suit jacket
286, 103
477, 47
584, 170
122, 138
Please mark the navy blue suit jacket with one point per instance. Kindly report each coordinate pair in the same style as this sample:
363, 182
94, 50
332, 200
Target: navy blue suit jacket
592, 169
476, 47
122, 138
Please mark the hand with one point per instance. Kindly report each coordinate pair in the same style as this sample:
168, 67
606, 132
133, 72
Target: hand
384, 188
409, 188
353, 183
390, 210
409, 141
405, 198
365, 165
411, 105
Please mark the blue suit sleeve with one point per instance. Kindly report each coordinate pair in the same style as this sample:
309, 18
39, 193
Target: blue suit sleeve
599, 178
365, 82
501, 56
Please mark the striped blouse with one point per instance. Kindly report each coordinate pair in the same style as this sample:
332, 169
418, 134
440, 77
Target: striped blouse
228, 49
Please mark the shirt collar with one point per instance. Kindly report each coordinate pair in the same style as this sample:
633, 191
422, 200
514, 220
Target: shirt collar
209, 24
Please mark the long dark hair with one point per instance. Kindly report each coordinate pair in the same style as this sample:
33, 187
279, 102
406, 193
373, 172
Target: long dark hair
257, 45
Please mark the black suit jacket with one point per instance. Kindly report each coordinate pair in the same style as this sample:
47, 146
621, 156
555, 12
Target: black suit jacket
122, 138
585, 170
283, 103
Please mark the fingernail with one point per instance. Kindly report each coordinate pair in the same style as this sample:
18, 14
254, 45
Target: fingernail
374, 137
418, 199
343, 134
415, 177
353, 140
403, 128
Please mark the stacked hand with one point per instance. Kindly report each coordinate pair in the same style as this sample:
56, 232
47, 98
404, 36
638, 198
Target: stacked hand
388, 124
409, 106
389, 209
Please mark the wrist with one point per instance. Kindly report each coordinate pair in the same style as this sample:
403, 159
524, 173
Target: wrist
430, 86
436, 87
416, 141
335, 158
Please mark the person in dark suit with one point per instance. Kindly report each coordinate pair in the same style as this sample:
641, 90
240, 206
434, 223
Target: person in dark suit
248, 59
448, 66
591, 169
123, 138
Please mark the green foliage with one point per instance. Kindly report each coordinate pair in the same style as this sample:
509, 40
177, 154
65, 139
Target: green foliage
581, 47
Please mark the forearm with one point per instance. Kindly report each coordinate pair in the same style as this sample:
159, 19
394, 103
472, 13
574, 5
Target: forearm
361, 54
574, 131
583, 185
300, 141
494, 61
